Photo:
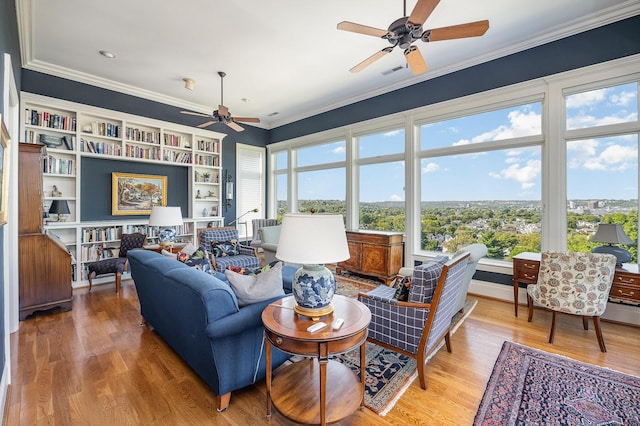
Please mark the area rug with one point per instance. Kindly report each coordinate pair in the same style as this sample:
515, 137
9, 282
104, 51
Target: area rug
388, 373
528, 386
350, 285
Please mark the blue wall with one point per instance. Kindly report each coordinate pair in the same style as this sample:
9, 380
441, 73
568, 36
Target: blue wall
602, 44
9, 43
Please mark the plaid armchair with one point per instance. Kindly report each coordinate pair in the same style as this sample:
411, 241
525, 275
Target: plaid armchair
247, 257
414, 328
573, 283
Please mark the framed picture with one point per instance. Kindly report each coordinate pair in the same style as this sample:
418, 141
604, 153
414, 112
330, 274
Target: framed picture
135, 194
4, 171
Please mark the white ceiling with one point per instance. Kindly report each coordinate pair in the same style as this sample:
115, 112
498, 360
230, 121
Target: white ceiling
283, 56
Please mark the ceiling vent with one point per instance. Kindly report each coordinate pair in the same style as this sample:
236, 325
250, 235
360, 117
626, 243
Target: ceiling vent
392, 70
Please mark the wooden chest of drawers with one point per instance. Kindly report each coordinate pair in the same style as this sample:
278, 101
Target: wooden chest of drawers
625, 287
374, 253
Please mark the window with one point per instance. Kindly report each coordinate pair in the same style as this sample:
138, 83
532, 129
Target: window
472, 192
602, 170
250, 187
322, 191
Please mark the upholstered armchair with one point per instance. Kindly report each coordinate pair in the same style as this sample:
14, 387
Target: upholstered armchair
573, 283
256, 241
116, 265
225, 249
476, 252
269, 236
415, 327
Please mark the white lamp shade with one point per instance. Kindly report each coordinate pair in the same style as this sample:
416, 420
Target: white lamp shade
311, 239
611, 233
165, 216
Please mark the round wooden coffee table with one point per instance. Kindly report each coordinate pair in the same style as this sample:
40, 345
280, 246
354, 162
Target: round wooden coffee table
299, 390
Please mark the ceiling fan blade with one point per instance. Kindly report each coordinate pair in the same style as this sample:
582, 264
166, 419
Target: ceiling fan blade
471, 29
247, 119
199, 114
371, 59
208, 123
421, 11
235, 126
361, 29
415, 60
223, 110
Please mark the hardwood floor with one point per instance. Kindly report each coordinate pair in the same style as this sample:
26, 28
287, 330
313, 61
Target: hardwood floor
96, 365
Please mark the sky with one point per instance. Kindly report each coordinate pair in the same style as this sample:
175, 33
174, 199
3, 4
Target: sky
513, 174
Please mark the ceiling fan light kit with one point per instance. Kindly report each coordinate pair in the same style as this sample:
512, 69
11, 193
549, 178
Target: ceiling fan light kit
403, 32
189, 83
222, 114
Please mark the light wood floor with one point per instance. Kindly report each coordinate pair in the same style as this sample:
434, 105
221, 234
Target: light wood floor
96, 365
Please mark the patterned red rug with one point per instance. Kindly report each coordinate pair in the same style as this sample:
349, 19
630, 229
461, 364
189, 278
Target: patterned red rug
528, 386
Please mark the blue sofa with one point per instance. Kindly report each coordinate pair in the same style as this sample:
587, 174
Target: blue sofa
197, 314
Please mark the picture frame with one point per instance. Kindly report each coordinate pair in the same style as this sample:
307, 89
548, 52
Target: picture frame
5, 142
135, 194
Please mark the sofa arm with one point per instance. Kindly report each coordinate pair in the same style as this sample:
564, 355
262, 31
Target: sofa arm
246, 318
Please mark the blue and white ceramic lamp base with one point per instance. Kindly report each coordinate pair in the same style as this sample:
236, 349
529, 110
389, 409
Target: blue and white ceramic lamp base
167, 237
313, 290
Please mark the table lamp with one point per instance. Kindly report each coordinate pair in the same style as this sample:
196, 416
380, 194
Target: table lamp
59, 207
313, 240
612, 233
166, 217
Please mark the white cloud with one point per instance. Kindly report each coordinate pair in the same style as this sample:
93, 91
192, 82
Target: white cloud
393, 133
462, 142
581, 100
396, 197
622, 99
339, 150
524, 175
582, 120
614, 157
430, 167
521, 123
511, 160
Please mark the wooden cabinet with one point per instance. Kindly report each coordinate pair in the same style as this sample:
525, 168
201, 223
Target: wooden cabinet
625, 287
374, 253
44, 261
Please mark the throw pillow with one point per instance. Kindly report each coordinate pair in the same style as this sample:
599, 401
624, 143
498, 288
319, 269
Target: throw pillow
258, 287
402, 284
425, 279
170, 255
224, 248
198, 260
189, 248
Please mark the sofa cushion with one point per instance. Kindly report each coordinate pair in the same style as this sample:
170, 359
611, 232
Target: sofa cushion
257, 287
424, 280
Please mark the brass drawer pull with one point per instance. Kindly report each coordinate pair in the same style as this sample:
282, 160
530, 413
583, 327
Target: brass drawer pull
622, 293
625, 281
530, 277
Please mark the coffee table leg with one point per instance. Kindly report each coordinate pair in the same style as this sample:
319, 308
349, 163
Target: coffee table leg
267, 351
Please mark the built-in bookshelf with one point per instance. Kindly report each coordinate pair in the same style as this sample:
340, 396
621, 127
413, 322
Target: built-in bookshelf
72, 131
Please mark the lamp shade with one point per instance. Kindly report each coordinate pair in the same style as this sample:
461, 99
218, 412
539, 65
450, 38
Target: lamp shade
611, 233
59, 207
165, 216
311, 239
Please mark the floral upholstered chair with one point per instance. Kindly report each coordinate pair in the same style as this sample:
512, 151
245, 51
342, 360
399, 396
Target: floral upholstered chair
415, 327
224, 246
573, 283
116, 265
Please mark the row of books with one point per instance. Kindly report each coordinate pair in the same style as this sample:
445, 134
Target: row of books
47, 119
101, 147
206, 160
141, 152
92, 235
210, 146
138, 135
98, 252
174, 140
177, 157
62, 166
103, 129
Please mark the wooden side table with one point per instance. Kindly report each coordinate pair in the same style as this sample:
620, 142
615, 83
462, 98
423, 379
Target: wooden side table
625, 287
299, 390
173, 249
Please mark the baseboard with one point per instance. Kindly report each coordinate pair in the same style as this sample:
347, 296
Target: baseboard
616, 312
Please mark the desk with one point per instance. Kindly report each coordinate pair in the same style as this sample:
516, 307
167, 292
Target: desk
299, 390
625, 287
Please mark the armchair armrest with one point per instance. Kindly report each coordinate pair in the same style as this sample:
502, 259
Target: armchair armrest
251, 251
394, 301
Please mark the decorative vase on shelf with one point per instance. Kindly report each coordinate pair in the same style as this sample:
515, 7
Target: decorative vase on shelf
205, 212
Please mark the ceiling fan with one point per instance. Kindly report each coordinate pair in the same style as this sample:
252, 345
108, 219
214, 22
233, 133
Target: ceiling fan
403, 32
222, 115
